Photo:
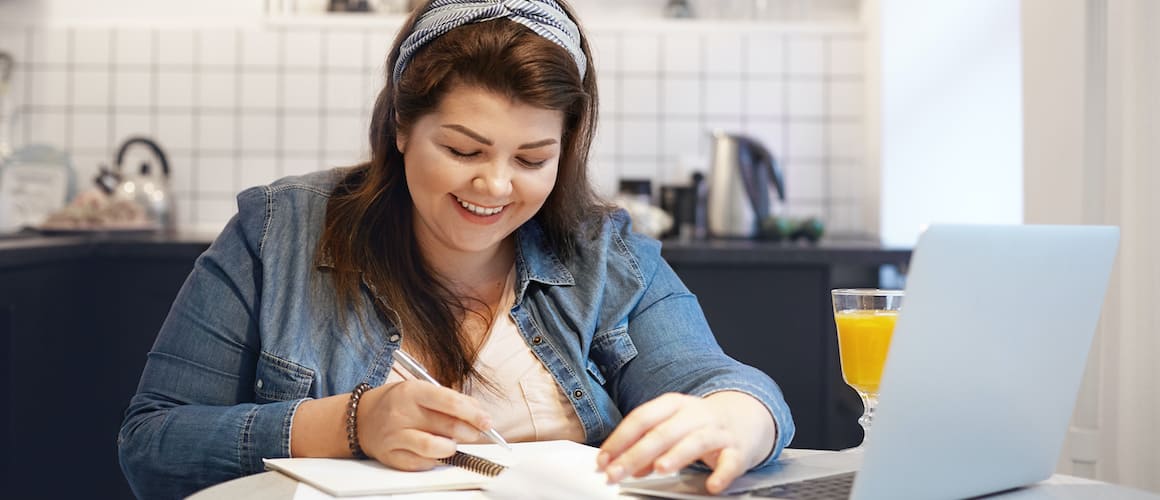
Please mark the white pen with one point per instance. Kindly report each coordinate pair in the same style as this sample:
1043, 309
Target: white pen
417, 370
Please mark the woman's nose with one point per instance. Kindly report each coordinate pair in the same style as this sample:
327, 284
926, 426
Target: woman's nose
494, 179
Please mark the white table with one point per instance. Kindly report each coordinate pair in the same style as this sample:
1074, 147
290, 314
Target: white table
276, 486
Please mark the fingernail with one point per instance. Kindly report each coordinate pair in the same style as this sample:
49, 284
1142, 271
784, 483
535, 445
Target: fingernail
614, 474
714, 485
602, 460
661, 467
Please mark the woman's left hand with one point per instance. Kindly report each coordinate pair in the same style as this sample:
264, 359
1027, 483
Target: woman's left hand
729, 431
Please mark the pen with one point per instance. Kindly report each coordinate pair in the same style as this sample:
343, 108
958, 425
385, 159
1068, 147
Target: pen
417, 370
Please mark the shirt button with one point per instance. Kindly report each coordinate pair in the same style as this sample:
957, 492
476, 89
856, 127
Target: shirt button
577, 393
537, 340
259, 384
394, 337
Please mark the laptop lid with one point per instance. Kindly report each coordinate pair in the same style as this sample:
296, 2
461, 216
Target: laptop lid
984, 368
986, 359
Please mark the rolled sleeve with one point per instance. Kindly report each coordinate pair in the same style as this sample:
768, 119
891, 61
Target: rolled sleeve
196, 420
266, 434
775, 403
678, 353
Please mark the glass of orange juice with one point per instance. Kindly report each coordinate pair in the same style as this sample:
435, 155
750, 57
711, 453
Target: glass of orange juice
865, 319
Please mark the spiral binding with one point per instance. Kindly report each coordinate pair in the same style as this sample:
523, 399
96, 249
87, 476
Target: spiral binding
473, 463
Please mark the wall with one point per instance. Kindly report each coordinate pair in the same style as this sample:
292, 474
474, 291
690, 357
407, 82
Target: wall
237, 106
124, 12
949, 89
1092, 148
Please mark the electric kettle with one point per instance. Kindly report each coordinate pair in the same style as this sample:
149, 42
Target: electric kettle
738, 198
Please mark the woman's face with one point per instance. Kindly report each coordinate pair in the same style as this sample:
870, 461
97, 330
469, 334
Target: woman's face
479, 167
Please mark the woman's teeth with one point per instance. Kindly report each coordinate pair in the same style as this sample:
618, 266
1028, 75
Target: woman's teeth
478, 210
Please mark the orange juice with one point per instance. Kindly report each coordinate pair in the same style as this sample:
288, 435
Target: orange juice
863, 340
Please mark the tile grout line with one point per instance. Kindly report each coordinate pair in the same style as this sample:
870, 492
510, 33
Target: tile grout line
827, 175
323, 113
155, 84
661, 163
111, 78
239, 131
279, 112
24, 113
785, 136
195, 129
743, 77
68, 89
704, 146
619, 138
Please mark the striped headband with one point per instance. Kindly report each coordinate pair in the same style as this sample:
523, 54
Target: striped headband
545, 17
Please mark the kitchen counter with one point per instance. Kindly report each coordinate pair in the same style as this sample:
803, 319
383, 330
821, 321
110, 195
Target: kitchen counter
36, 249
827, 251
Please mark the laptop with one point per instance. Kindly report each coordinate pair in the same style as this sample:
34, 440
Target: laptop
984, 368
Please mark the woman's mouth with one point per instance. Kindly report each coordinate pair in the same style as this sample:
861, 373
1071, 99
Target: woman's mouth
478, 210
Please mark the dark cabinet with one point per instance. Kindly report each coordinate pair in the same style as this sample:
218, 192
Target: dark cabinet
76, 328
769, 307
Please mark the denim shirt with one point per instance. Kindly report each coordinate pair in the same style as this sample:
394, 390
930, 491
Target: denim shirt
256, 330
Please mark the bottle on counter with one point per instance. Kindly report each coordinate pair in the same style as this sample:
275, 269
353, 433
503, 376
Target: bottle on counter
679, 9
700, 200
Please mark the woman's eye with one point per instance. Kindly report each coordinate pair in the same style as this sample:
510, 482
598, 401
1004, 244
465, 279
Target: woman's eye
462, 154
533, 164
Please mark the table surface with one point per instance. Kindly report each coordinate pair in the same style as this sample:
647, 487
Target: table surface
276, 486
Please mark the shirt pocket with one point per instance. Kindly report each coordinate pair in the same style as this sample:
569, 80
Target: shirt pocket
611, 349
278, 379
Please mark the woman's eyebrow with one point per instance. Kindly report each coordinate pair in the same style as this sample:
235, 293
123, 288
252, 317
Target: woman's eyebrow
468, 132
481, 139
537, 144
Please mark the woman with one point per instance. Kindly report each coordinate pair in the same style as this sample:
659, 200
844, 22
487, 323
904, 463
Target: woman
473, 242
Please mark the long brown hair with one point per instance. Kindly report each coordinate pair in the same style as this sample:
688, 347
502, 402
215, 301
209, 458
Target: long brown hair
369, 233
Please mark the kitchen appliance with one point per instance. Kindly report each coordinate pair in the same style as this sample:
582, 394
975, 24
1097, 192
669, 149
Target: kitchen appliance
147, 186
738, 196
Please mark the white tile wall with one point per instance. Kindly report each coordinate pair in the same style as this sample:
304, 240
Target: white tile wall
238, 107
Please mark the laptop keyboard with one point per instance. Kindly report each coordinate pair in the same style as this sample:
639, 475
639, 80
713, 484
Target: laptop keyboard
836, 486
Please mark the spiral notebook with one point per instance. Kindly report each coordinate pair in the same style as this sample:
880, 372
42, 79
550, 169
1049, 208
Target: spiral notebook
472, 467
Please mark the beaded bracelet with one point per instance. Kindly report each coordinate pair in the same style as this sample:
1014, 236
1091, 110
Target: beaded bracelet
352, 420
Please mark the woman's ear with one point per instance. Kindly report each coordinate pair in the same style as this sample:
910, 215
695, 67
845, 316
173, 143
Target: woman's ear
400, 136
400, 141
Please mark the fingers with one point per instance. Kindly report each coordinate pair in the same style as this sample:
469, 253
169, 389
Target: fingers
699, 443
635, 425
447, 402
414, 450
671, 432
646, 434
730, 465
442, 424
408, 425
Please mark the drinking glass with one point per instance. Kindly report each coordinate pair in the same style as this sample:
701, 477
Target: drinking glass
865, 321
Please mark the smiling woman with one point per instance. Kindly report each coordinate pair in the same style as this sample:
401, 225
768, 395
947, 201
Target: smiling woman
477, 169
472, 241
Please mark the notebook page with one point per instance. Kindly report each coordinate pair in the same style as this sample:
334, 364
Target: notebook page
306, 492
348, 477
540, 466
547, 470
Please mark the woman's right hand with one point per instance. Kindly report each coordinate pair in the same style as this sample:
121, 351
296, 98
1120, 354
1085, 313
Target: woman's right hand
409, 425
